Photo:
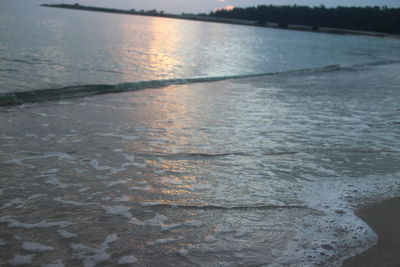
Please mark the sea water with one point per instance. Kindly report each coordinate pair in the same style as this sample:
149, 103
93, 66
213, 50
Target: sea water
43, 48
260, 171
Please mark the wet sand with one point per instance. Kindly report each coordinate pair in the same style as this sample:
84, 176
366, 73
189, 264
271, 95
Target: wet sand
384, 219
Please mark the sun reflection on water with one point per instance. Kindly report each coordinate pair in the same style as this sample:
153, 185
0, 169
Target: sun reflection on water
169, 115
160, 48
165, 41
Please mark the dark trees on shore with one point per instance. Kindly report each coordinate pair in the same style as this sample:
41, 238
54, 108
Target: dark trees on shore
378, 19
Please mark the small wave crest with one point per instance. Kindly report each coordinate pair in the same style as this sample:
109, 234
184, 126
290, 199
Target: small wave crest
378, 63
221, 207
18, 98
200, 155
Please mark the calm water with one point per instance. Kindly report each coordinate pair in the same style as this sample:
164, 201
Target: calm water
262, 171
51, 48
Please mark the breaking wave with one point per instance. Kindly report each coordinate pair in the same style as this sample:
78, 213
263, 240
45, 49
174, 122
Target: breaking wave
17, 98
219, 207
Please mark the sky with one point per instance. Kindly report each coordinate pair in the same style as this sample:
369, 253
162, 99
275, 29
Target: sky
205, 6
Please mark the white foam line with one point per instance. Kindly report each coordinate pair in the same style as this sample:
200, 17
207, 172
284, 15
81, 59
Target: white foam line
83, 189
71, 202
164, 241
57, 182
35, 196
66, 234
56, 263
210, 239
118, 210
35, 247
95, 164
123, 198
129, 158
193, 223
141, 188
183, 252
92, 256
31, 135
152, 203
136, 164
42, 224
127, 260
123, 137
13, 202
50, 171
112, 183
20, 202
39, 113
168, 227
59, 155
157, 220
21, 260
338, 231
7, 137
200, 187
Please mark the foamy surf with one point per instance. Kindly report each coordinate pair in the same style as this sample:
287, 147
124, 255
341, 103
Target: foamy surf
18, 98
21, 97
260, 171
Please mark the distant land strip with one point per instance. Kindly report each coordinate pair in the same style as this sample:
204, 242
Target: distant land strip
210, 18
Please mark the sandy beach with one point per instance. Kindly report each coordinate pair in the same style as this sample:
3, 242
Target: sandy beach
384, 219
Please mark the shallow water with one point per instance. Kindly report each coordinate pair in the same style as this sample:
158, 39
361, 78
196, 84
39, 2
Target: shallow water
242, 172
249, 172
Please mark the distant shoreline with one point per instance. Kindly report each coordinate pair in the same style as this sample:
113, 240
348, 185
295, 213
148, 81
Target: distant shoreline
224, 20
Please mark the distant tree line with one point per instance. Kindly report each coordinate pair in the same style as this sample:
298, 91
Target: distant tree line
378, 19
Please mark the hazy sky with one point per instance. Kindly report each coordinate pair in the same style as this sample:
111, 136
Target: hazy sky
197, 6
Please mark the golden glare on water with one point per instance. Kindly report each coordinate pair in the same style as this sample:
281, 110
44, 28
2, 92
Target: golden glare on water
160, 48
170, 114
166, 39
175, 192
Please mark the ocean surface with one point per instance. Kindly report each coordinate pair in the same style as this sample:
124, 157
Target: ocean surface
42, 48
226, 145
